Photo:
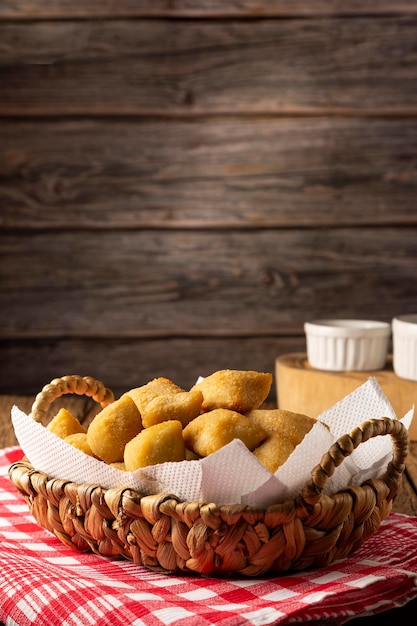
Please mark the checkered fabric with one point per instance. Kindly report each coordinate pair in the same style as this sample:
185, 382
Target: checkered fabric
43, 582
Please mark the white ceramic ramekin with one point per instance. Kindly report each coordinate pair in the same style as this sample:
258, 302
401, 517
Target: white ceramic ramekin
347, 344
404, 346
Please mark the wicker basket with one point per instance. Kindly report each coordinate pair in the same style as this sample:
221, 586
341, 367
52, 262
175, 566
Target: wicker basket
165, 534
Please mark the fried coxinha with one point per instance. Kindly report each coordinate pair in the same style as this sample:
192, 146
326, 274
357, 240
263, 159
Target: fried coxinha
160, 422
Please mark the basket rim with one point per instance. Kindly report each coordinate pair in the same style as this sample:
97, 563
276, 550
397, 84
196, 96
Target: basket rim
314, 487
313, 490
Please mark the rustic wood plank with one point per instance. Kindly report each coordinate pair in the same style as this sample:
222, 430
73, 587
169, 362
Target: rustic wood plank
406, 501
26, 366
411, 467
53, 9
190, 67
148, 283
216, 173
24, 402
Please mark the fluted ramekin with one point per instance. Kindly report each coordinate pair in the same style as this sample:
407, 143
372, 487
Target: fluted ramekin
404, 342
347, 344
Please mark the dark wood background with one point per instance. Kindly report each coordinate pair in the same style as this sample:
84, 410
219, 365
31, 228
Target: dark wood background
184, 183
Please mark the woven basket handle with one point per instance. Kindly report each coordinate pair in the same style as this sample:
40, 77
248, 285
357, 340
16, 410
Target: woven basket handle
81, 385
344, 446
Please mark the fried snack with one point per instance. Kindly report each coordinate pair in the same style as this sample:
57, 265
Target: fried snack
293, 426
191, 456
79, 440
183, 406
274, 451
112, 428
120, 466
141, 396
237, 390
212, 430
160, 443
64, 424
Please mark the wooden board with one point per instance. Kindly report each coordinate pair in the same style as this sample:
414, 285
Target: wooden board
26, 366
184, 182
61, 9
157, 284
304, 389
195, 67
219, 173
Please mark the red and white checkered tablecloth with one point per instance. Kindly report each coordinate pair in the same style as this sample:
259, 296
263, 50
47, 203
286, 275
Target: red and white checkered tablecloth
43, 582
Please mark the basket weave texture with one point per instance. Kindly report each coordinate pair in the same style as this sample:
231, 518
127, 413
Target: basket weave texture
166, 534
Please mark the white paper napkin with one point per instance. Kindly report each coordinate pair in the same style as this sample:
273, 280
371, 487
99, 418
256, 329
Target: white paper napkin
232, 475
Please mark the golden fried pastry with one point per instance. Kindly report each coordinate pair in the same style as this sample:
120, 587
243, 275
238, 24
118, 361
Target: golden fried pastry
79, 440
274, 451
64, 424
237, 390
141, 396
183, 406
156, 444
293, 426
112, 428
191, 456
212, 430
120, 466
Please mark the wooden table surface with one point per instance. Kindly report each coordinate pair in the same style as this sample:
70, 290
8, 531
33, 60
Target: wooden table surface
84, 408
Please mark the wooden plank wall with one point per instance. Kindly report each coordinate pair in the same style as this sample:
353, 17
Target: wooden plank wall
184, 183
